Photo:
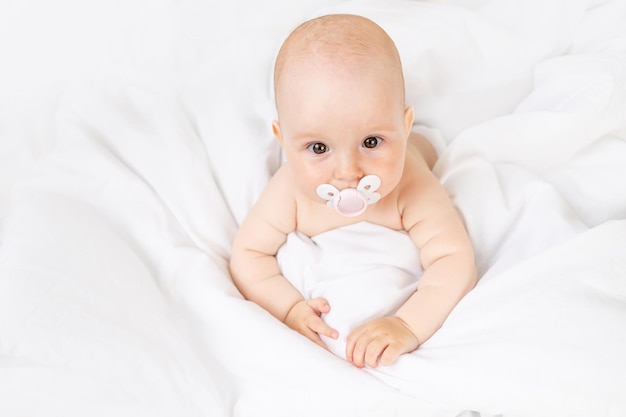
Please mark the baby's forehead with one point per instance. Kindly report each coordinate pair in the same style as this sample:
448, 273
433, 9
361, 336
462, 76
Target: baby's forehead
337, 35
331, 60
342, 43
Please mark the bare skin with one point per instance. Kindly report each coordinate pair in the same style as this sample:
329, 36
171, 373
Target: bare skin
342, 117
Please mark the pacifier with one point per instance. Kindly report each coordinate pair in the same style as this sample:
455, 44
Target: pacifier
351, 202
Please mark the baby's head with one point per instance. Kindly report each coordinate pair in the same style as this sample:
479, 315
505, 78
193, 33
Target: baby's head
340, 99
339, 41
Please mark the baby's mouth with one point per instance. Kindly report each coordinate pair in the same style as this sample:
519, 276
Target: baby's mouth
351, 202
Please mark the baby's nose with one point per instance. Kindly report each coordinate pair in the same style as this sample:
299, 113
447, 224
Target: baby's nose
348, 171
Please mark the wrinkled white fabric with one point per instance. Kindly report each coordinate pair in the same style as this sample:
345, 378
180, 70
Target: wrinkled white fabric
364, 270
135, 135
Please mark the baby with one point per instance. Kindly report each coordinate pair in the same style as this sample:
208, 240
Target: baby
351, 157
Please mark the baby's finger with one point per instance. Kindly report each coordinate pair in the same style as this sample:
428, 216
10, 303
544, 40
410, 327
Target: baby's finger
374, 350
319, 305
391, 354
358, 349
352, 340
320, 327
313, 336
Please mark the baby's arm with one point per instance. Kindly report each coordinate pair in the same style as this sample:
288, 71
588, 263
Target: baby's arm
254, 267
447, 257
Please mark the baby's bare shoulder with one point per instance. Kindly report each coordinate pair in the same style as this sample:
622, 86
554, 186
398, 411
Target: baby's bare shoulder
422, 196
280, 186
276, 204
418, 173
421, 147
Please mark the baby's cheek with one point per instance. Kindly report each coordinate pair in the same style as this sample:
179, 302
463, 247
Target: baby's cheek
303, 177
393, 179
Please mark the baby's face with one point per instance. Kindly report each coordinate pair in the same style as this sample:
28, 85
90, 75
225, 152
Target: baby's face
336, 127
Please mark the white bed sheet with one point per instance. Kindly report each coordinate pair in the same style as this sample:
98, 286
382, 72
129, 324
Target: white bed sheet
127, 163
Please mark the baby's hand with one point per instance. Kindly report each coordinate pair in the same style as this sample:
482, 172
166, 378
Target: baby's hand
304, 317
383, 339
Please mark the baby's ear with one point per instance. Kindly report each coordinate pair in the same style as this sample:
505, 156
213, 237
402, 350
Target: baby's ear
409, 114
277, 132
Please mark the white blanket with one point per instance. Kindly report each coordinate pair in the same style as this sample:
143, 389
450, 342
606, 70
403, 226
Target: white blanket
134, 137
535, 341
506, 329
364, 270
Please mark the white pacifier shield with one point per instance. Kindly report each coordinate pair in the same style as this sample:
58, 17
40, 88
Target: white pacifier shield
351, 202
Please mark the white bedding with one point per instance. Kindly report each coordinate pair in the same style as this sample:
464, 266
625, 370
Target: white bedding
364, 270
135, 135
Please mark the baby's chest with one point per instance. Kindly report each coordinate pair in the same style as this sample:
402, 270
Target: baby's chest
314, 219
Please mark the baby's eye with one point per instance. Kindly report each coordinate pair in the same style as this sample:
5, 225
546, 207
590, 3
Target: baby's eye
318, 148
371, 142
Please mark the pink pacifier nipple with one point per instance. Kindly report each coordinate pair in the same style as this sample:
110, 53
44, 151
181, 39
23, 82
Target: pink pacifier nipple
351, 202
